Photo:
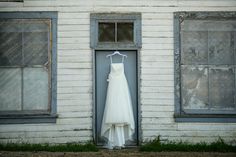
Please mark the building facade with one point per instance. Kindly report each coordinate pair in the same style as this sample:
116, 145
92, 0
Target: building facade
180, 68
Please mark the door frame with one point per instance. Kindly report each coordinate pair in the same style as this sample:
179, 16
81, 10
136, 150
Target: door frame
94, 128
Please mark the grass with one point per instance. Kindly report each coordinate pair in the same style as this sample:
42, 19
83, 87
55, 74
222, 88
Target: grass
72, 147
153, 146
217, 146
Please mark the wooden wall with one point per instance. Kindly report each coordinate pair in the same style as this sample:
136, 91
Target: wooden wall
75, 71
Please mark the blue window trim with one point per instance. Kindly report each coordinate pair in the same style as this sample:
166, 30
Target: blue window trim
37, 117
196, 116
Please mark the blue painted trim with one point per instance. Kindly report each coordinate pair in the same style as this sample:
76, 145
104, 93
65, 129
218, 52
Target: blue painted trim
34, 117
54, 68
206, 118
177, 69
28, 15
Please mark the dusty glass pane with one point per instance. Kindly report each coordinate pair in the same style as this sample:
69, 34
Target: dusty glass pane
35, 54
208, 25
106, 32
35, 89
10, 48
10, 89
10, 42
36, 40
222, 88
36, 25
36, 37
194, 47
221, 47
125, 32
194, 87
11, 25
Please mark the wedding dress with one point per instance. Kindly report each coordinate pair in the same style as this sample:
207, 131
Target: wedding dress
118, 121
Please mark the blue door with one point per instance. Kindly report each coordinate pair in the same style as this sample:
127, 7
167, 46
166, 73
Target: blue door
102, 67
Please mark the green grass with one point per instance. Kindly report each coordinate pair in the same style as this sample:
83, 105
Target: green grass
72, 147
217, 146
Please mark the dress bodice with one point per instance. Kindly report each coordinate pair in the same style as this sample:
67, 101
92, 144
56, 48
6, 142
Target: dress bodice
117, 68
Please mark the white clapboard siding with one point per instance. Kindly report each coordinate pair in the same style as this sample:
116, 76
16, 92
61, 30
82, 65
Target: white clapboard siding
75, 72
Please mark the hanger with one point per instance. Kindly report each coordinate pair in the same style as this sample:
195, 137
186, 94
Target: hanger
116, 53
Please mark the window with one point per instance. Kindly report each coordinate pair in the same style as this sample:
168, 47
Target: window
27, 70
115, 30
205, 64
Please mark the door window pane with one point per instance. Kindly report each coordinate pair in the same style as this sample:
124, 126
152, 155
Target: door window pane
106, 32
125, 32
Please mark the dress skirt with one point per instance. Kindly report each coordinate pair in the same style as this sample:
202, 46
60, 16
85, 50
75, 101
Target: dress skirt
118, 120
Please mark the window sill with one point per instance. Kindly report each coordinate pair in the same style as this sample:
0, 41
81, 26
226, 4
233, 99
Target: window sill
27, 119
205, 118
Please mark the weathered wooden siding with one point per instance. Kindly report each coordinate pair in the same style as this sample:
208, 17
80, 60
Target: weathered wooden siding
75, 71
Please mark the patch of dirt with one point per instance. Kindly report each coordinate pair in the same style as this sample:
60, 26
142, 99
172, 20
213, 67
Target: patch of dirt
115, 153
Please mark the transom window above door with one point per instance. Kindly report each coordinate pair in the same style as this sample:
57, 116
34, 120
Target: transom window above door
115, 30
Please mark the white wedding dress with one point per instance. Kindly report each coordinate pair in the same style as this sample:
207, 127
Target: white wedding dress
118, 120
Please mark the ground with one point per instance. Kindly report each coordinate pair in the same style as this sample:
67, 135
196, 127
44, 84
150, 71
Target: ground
115, 153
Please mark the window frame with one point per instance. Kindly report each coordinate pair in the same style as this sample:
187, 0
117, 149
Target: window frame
96, 18
194, 116
37, 117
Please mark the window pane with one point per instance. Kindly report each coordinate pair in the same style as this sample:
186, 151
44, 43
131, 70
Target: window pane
35, 89
35, 54
10, 42
36, 25
194, 48
36, 40
10, 89
106, 32
125, 32
222, 88
221, 47
194, 87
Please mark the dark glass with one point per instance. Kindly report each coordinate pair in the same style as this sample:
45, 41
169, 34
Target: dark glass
106, 32
36, 48
10, 48
36, 54
125, 32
